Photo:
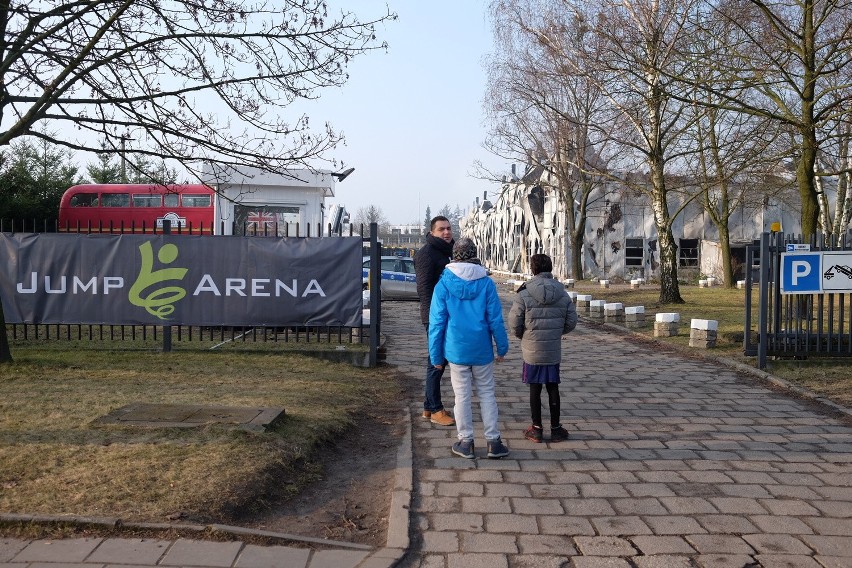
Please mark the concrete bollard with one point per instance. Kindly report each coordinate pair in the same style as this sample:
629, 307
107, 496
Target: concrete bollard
596, 309
635, 283
666, 324
614, 313
583, 303
573, 296
741, 284
569, 282
634, 316
712, 281
703, 284
702, 333
604, 283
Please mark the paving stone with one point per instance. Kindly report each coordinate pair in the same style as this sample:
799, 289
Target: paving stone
598, 562
783, 525
719, 543
724, 561
129, 551
525, 506
546, 544
642, 506
738, 505
498, 523
662, 561
726, 524
554, 491
604, 546
10, 547
507, 490
687, 505
201, 553
336, 558
787, 561
456, 522
58, 550
602, 490
538, 561
649, 490
565, 525
777, 544
673, 525
457, 489
482, 542
486, 505
253, 556
477, 560
620, 525
440, 541
441, 504
651, 545
580, 507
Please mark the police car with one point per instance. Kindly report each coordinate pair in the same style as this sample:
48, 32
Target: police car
398, 277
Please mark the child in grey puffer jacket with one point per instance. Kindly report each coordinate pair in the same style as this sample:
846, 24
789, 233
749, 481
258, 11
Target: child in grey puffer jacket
541, 314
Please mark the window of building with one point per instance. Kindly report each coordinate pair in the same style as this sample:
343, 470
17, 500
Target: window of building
634, 253
688, 253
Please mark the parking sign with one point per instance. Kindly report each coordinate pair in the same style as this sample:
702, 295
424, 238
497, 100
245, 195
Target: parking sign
801, 273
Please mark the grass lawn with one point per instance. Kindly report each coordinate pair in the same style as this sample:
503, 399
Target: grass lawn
829, 377
54, 461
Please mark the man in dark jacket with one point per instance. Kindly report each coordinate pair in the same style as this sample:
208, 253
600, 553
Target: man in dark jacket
429, 262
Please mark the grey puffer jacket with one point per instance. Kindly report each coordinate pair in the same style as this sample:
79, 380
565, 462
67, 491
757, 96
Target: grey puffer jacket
541, 313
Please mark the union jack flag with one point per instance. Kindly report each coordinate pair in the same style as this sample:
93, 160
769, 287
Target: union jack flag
261, 221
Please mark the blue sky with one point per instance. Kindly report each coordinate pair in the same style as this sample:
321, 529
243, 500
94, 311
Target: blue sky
413, 117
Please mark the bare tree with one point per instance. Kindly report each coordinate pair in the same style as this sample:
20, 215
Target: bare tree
370, 214
192, 81
632, 48
789, 55
542, 110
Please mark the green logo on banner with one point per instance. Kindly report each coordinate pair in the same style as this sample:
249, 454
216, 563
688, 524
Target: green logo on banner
160, 301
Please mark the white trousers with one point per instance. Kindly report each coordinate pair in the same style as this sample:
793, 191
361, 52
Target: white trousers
464, 378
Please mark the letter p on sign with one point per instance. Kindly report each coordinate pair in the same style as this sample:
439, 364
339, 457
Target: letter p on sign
800, 273
800, 269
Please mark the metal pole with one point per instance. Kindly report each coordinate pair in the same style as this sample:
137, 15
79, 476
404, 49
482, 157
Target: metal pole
375, 284
167, 329
763, 311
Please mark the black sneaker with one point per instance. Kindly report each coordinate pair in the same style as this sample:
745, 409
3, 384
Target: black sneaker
496, 449
558, 434
464, 448
533, 434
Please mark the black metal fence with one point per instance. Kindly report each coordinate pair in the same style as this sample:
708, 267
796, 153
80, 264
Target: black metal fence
798, 325
333, 339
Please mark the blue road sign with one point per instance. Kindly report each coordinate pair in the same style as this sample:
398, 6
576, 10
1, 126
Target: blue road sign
801, 273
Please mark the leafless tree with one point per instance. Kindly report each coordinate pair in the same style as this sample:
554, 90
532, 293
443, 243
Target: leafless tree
192, 81
542, 111
370, 214
789, 55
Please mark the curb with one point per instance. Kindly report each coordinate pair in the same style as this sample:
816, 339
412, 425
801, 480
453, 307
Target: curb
399, 516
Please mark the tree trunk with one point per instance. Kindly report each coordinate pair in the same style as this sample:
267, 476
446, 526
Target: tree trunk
727, 264
669, 287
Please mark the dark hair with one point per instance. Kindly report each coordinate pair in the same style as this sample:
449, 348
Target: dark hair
435, 220
540, 263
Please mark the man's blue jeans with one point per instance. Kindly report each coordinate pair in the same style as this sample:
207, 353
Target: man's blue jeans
433, 403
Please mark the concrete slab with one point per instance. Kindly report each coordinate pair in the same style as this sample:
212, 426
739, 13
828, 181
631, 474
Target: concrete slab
66, 550
202, 553
130, 551
142, 415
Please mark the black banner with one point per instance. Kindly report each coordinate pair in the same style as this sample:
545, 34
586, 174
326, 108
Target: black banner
180, 280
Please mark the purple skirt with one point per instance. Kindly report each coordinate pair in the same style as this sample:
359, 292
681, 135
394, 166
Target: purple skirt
541, 374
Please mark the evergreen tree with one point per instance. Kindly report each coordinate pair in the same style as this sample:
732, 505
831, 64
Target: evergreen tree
105, 170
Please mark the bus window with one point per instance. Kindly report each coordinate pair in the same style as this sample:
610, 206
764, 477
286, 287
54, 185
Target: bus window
84, 200
147, 201
170, 200
116, 200
190, 200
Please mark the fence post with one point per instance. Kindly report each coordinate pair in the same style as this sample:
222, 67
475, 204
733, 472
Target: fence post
375, 293
763, 310
167, 329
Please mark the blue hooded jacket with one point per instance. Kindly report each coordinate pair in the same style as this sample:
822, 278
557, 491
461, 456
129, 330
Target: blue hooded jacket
465, 316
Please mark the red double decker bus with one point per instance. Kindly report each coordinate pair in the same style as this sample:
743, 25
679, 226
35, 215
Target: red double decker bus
136, 208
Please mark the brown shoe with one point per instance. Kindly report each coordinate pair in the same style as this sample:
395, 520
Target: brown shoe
427, 415
442, 418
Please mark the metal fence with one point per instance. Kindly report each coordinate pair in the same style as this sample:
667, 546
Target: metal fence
333, 339
799, 325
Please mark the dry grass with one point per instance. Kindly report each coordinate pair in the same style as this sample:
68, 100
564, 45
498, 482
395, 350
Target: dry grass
54, 461
831, 378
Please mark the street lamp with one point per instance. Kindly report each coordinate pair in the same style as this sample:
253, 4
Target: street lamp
342, 175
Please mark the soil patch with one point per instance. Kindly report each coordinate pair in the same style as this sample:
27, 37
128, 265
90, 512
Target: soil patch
351, 499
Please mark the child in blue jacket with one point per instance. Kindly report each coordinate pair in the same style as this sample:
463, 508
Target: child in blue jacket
465, 321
